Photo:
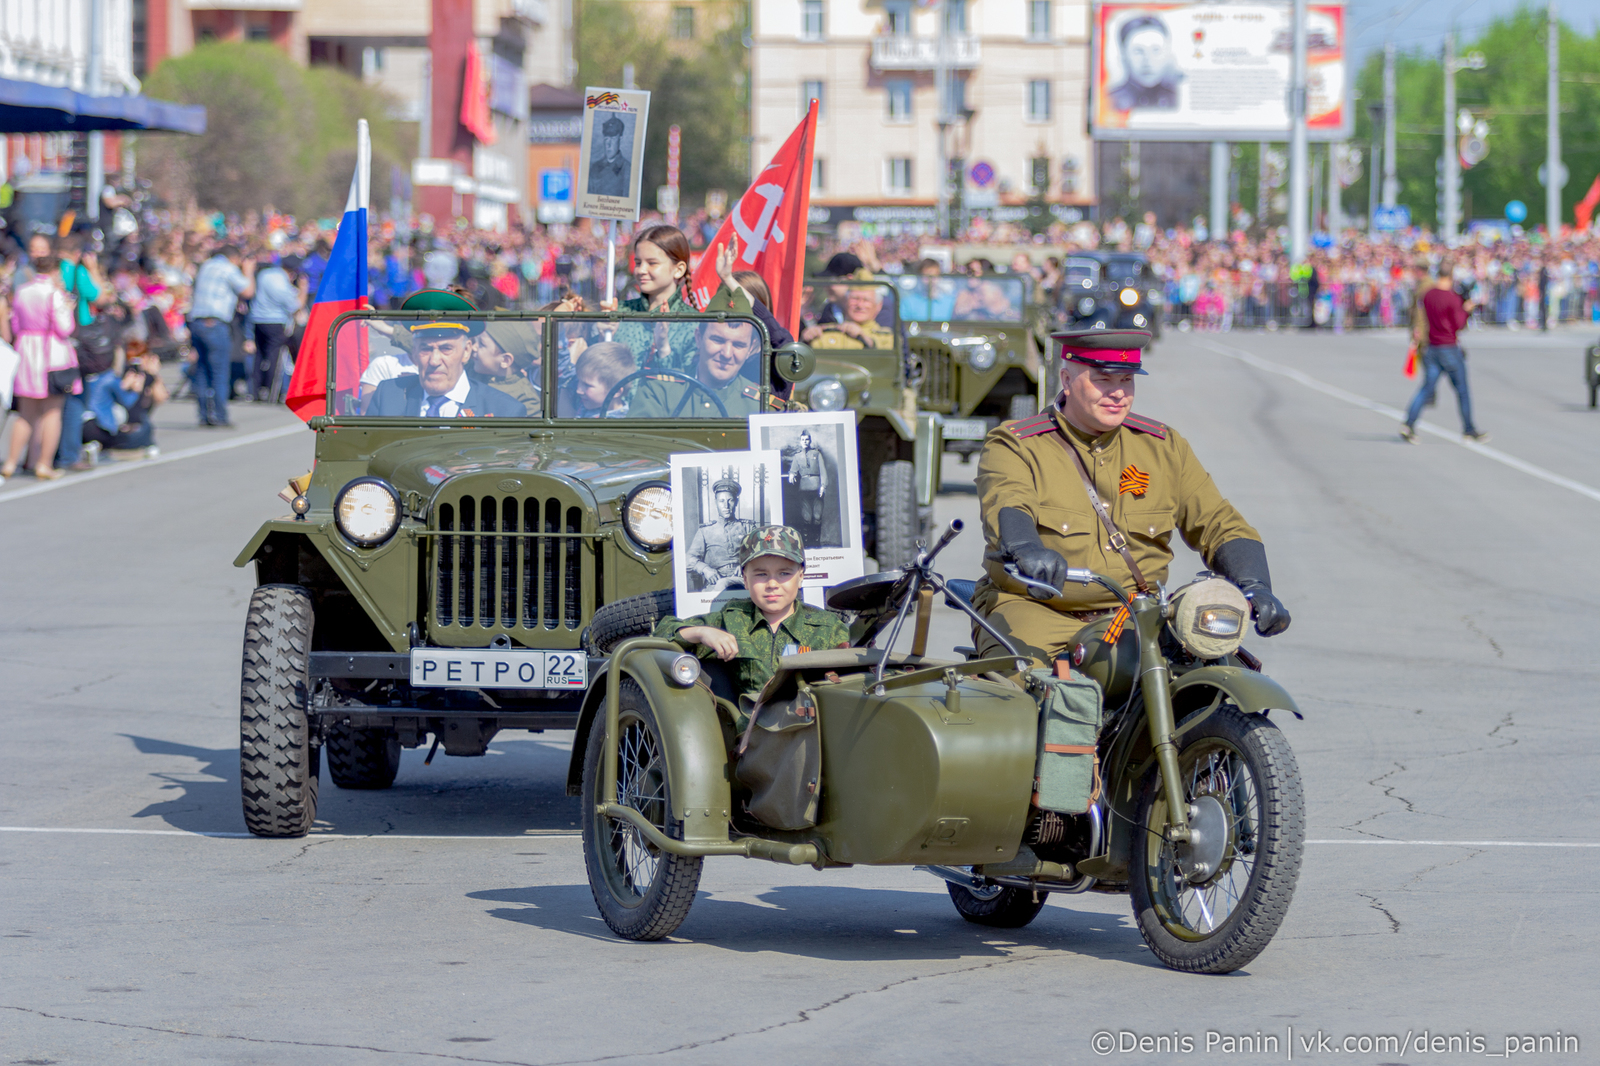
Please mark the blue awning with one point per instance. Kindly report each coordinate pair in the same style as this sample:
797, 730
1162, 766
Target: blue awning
28, 107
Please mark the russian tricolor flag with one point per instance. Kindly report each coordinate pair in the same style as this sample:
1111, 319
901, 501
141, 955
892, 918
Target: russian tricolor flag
343, 288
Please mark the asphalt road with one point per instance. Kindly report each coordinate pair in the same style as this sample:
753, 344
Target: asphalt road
1445, 608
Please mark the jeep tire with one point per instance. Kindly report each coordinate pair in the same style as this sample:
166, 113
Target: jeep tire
278, 764
635, 616
899, 521
365, 758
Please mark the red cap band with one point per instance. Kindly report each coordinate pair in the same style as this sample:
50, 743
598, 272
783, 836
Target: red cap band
1131, 356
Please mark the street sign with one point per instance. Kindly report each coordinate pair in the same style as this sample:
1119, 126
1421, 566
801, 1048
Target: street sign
1391, 218
981, 174
667, 199
1516, 211
555, 196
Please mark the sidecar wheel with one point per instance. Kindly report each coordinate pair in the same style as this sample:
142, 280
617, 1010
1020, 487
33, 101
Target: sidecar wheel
1005, 908
1214, 906
643, 893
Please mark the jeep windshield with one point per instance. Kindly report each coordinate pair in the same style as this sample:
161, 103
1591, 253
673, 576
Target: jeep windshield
841, 313
556, 366
960, 298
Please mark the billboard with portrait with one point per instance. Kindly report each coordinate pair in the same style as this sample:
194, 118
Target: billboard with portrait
1213, 71
611, 154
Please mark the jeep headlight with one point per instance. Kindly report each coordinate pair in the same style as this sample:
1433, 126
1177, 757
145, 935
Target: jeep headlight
828, 394
647, 515
981, 356
367, 511
1129, 297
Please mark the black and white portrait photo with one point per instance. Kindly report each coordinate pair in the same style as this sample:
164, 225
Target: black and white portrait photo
611, 158
1150, 74
719, 498
821, 488
611, 153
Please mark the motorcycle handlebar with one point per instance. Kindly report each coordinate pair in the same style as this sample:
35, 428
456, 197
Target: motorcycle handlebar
1040, 590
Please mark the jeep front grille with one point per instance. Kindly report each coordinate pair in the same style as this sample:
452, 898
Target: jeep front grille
937, 391
509, 564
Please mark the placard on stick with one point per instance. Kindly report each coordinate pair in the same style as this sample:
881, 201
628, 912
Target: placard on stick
611, 155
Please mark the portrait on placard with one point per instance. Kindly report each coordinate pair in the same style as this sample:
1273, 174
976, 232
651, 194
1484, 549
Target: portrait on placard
718, 498
611, 154
821, 488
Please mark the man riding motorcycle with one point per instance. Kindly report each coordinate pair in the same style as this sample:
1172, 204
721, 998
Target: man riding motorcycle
1088, 484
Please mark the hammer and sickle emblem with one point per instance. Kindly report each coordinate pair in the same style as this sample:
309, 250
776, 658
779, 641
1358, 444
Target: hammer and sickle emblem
754, 238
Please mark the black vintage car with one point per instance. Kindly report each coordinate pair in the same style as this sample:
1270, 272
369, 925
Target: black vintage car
1112, 290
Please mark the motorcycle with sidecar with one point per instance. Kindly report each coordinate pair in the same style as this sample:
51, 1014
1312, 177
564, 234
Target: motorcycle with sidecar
865, 755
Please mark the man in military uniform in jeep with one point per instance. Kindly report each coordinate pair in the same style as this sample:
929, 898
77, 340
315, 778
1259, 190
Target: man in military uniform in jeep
723, 349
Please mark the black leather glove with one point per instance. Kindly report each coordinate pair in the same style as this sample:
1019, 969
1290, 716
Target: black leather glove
1244, 562
1019, 541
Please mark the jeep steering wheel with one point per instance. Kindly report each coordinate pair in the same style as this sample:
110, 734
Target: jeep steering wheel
722, 411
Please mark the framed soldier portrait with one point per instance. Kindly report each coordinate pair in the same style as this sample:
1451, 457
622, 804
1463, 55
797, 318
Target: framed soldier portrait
821, 488
718, 497
611, 154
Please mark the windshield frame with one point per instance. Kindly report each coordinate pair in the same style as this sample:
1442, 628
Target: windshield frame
549, 369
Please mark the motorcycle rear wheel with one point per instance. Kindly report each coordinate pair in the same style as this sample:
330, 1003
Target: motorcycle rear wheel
1000, 907
1212, 908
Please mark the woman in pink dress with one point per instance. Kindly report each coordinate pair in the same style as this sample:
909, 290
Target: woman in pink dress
43, 317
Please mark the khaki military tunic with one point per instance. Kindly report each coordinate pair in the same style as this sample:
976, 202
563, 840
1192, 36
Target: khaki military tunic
877, 337
714, 552
659, 397
1149, 480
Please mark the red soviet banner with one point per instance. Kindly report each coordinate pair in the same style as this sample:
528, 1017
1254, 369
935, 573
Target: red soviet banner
770, 222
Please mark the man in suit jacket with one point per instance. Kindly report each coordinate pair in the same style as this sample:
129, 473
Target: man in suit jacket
441, 387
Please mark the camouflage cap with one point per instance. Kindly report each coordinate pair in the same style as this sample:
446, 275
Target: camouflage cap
783, 541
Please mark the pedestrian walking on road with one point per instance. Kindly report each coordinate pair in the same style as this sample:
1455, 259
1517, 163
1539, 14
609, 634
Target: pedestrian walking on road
218, 287
1440, 316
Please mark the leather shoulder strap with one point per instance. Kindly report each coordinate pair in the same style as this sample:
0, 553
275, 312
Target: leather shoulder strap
1118, 541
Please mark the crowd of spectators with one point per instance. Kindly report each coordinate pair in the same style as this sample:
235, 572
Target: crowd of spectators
89, 316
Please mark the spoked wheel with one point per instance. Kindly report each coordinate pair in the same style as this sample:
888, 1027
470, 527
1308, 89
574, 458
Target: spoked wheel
997, 905
643, 892
1212, 905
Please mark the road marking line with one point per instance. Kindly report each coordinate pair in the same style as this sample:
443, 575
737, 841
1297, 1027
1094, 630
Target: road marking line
533, 835
113, 469
1357, 400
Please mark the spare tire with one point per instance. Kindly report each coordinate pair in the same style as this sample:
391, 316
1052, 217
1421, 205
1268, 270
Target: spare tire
635, 616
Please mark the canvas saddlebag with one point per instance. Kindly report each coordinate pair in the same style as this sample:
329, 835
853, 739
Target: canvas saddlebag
780, 761
1067, 773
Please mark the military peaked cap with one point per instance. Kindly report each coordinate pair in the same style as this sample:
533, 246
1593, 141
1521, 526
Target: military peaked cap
450, 310
1107, 349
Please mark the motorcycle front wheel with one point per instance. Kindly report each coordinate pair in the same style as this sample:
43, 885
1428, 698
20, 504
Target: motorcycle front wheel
1212, 905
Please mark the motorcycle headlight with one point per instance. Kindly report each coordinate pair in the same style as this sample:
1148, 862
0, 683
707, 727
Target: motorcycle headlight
1129, 297
1086, 306
647, 515
686, 670
981, 356
1208, 617
367, 511
828, 394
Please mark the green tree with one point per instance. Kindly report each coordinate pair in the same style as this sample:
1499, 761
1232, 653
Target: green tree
1509, 94
698, 85
276, 133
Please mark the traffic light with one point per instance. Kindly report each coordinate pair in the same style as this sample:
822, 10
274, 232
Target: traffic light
1438, 188
78, 173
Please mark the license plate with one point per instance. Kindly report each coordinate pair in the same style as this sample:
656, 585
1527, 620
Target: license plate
965, 429
493, 668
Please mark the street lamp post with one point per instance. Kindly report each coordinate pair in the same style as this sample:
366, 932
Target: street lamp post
1299, 155
1552, 158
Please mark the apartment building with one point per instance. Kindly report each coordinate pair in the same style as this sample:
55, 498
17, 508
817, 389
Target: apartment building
1017, 76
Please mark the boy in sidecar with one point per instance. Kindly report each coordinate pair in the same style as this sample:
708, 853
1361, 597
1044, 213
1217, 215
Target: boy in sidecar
751, 635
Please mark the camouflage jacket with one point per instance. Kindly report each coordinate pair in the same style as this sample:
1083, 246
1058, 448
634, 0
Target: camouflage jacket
808, 629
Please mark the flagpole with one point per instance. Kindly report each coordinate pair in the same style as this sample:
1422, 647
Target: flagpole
611, 262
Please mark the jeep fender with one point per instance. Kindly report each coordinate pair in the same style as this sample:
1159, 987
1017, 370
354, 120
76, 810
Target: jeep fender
279, 541
698, 768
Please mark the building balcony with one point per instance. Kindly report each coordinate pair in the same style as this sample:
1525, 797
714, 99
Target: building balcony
922, 53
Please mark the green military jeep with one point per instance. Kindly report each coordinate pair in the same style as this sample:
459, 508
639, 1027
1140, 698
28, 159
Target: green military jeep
443, 570
862, 363
979, 344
